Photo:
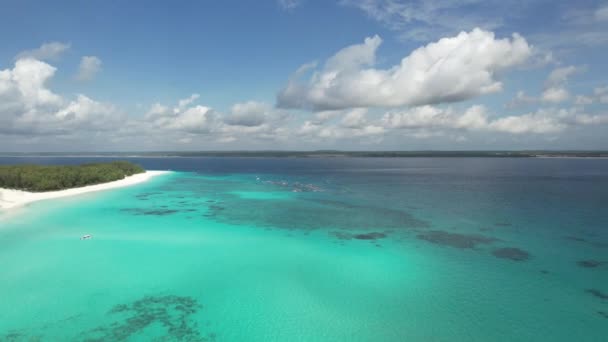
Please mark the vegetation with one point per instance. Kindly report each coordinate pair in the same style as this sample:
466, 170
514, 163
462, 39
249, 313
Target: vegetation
48, 178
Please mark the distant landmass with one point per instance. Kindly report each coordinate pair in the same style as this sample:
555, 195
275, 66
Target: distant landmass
328, 154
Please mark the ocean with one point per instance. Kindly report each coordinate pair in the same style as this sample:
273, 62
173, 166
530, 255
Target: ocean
315, 249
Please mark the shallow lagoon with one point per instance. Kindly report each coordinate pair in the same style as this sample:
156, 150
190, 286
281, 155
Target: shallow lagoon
248, 249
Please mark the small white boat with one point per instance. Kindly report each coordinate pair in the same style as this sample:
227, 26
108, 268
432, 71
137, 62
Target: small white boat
86, 237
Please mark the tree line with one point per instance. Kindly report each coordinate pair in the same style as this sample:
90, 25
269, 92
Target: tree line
39, 178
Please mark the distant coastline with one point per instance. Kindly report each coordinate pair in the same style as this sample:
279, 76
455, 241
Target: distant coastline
10, 198
321, 154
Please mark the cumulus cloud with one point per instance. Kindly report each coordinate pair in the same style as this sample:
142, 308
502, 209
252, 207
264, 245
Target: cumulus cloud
559, 76
555, 95
245, 121
599, 95
47, 51
449, 70
555, 90
29, 107
88, 68
355, 118
353, 126
194, 119
313, 131
249, 114
540, 122
555, 85
477, 118
433, 117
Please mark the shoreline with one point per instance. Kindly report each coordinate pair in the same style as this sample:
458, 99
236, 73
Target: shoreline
10, 198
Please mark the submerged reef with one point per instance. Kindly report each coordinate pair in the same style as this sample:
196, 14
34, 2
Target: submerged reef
18, 335
456, 240
311, 214
591, 263
363, 236
597, 244
511, 253
173, 313
370, 236
150, 212
597, 293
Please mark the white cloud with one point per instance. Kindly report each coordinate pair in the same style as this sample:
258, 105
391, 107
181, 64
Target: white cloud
521, 99
560, 76
424, 20
426, 117
583, 100
29, 78
555, 95
326, 115
429, 119
555, 85
28, 107
47, 51
451, 69
586, 119
601, 94
88, 68
196, 119
601, 14
183, 103
249, 114
247, 121
355, 118
289, 5
540, 122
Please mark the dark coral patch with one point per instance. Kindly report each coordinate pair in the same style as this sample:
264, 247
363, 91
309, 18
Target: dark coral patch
597, 244
341, 235
150, 212
363, 236
597, 293
591, 263
603, 314
370, 236
574, 238
454, 239
511, 253
173, 313
13, 336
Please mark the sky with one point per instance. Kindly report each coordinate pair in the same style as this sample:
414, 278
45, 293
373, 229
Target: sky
303, 75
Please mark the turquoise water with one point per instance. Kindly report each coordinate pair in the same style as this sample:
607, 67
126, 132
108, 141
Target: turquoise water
317, 250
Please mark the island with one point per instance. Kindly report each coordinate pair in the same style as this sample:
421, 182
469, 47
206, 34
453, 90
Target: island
22, 184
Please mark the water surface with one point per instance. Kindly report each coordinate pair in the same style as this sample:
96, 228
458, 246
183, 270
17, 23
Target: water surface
270, 249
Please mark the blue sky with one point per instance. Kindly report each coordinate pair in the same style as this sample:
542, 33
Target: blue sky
378, 74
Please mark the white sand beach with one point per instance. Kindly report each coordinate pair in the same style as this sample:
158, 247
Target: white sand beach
16, 198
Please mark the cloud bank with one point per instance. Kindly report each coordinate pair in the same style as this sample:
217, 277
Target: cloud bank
449, 70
